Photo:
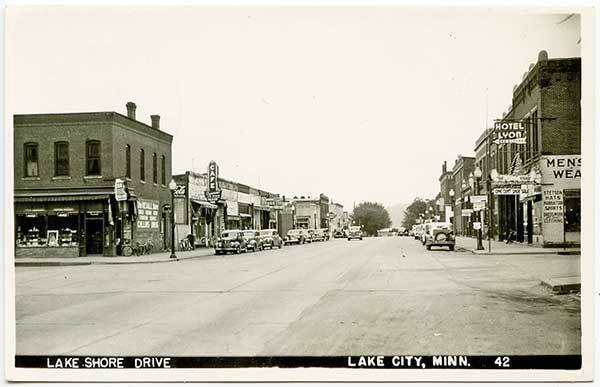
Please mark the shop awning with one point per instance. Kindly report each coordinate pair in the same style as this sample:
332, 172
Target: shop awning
205, 204
59, 198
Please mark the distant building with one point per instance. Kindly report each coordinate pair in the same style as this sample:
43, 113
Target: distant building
463, 167
311, 213
65, 169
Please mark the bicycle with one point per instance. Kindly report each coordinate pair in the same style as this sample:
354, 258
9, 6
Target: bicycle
127, 249
184, 245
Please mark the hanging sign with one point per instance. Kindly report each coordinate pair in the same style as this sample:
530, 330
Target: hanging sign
213, 192
120, 191
476, 225
509, 132
510, 189
466, 212
479, 206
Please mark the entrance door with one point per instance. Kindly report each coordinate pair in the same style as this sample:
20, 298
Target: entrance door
530, 222
94, 236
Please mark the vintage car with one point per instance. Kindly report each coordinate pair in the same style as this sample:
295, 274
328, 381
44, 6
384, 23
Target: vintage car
319, 235
439, 234
231, 241
297, 236
355, 232
339, 234
270, 238
253, 240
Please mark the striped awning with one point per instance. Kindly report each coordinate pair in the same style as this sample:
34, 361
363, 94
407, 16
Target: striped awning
59, 198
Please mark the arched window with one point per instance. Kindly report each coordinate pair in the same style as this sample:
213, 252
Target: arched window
128, 161
142, 165
31, 160
154, 168
61, 158
93, 167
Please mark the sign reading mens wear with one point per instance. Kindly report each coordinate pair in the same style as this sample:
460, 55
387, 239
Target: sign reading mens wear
566, 167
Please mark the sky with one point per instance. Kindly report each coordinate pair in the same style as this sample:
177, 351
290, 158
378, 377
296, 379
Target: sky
359, 103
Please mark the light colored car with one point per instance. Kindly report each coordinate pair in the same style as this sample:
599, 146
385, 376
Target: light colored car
253, 240
297, 236
355, 232
270, 238
231, 241
439, 234
319, 235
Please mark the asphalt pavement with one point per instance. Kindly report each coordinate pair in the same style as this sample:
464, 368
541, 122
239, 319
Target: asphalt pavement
375, 296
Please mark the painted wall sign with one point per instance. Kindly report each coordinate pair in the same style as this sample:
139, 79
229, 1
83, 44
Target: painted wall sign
179, 191
553, 206
148, 217
561, 167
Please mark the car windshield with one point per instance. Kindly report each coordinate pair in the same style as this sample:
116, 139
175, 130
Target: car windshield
249, 233
294, 232
229, 235
266, 232
354, 228
440, 226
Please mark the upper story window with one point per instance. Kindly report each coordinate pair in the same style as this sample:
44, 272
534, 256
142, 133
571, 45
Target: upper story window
535, 140
92, 158
142, 165
61, 158
128, 161
31, 160
163, 170
154, 168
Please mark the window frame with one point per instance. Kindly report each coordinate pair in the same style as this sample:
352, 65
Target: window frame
142, 164
128, 161
163, 170
154, 168
58, 144
27, 146
88, 157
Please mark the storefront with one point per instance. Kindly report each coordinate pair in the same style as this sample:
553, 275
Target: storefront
63, 226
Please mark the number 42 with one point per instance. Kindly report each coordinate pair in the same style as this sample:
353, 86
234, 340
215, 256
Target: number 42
502, 361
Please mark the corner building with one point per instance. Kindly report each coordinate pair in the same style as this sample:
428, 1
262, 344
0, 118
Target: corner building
65, 168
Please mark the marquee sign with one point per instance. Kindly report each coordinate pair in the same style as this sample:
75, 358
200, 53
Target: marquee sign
213, 192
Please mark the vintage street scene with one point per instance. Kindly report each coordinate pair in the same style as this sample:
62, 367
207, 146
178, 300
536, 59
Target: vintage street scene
295, 181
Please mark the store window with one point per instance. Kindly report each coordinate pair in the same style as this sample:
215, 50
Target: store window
93, 158
61, 158
31, 160
128, 161
142, 165
154, 168
163, 170
572, 205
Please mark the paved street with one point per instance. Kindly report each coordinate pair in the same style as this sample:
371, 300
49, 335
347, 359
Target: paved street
376, 296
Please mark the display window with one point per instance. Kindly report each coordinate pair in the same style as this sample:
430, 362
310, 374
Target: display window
572, 208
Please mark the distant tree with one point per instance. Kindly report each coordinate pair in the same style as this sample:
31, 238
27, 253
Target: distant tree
412, 212
372, 217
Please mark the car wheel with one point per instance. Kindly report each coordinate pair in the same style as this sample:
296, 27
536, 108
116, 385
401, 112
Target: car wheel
428, 247
451, 248
238, 250
361, 239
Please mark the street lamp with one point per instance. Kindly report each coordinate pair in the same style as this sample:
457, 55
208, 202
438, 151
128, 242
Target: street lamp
315, 217
172, 188
478, 174
451, 193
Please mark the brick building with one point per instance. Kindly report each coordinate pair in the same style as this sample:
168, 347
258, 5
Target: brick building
311, 213
445, 200
65, 169
463, 167
547, 104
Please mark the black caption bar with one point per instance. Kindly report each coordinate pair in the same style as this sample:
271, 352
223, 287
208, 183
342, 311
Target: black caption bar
546, 362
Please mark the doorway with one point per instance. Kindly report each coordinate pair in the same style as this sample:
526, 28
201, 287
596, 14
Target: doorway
94, 235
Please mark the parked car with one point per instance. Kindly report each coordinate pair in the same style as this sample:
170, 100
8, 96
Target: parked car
270, 238
253, 240
355, 233
296, 236
339, 234
319, 235
326, 233
439, 234
231, 241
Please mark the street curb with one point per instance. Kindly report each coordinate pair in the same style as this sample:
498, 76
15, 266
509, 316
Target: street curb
528, 253
65, 263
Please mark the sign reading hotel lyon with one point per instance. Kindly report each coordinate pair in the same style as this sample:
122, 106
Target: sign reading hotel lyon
213, 192
509, 132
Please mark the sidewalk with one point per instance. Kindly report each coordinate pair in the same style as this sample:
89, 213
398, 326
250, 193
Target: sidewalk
502, 248
100, 260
